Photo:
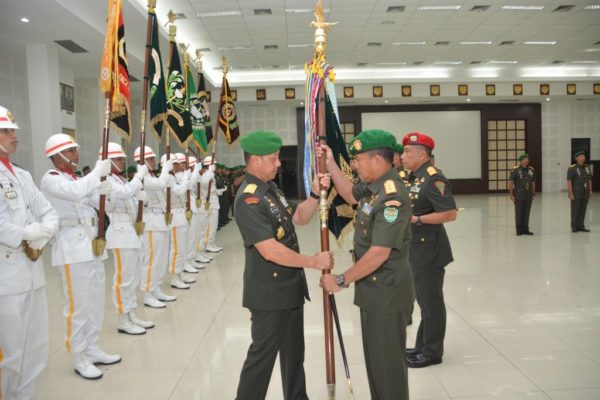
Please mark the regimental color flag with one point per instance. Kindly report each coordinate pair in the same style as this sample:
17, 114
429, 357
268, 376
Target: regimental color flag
199, 112
156, 83
114, 76
178, 112
227, 114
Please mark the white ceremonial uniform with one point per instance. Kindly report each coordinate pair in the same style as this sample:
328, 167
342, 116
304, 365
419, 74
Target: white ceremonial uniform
122, 239
23, 307
212, 213
179, 225
82, 273
155, 240
193, 231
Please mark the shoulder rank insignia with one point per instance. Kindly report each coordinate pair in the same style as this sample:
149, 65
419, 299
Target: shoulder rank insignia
389, 187
516, 166
402, 174
252, 200
530, 167
572, 165
250, 188
280, 233
431, 170
441, 186
393, 203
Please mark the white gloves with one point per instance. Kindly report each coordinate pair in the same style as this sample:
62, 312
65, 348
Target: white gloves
197, 169
38, 244
36, 231
104, 188
102, 168
167, 167
142, 171
211, 168
220, 191
141, 195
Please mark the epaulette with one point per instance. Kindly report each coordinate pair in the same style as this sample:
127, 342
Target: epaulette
250, 188
516, 166
530, 167
431, 170
389, 187
572, 165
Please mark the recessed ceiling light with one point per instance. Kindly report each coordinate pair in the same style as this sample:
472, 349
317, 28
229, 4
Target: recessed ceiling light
503, 62
557, 62
419, 62
515, 7
591, 50
302, 10
301, 103
563, 8
439, 8
361, 64
391, 63
237, 47
443, 43
271, 47
475, 43
25, 19
475, 62
468, 100
374, 44
541, 43
263, 11
547, 98
395, 9
408, 44
204, 50
180, 16
447, 62
584, 62
479, 8
386, 101
592, 7
294, 46
507, 43
227, 13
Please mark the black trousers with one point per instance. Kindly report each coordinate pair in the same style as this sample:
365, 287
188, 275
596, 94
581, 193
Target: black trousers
578, 208
275, 332
384, 346
522, 209
429, 284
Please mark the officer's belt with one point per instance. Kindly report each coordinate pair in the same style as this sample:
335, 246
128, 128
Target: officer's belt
68, 222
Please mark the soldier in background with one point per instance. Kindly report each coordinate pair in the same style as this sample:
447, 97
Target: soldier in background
521, 189
579, 184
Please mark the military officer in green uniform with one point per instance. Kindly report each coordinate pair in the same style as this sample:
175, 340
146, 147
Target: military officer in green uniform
579, 184
274, 282
398, 150
432, 205
381, 274
521, 189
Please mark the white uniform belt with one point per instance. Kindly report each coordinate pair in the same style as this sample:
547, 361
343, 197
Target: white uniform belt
120, 217
65, 222
154, 210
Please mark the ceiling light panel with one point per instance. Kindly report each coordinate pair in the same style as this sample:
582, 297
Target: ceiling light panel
516, 7
592, 7
409, 43
237, 47
445, 7
226, 13
475, 43
541, 43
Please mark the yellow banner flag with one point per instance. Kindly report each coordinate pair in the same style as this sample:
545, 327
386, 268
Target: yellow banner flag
108, 68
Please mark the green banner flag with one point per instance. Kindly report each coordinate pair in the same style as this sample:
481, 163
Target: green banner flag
178, 112
198, 111
156, 83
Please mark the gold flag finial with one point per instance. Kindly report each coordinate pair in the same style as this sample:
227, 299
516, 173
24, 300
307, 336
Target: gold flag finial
225, 65
198, 60
151, 6
321, 28
172, 28
184, 48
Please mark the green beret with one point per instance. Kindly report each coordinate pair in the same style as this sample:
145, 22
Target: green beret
372, 139
523, 156
398, 148
579, 153
260, 143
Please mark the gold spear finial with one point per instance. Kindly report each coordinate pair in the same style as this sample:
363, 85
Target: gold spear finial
322, 28
151, 6
225, 65
172, 28
198, 60
184, 48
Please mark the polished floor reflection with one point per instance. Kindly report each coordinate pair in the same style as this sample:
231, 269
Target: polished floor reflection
523, 320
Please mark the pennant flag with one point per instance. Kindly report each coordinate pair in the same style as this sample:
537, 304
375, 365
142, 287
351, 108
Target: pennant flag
227, 114
114, 77
199, 113
156, 83
178, 112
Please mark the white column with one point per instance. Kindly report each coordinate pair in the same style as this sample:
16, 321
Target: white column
44, 102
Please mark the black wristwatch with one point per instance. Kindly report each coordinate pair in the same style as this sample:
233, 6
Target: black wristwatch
314, 196
340, 280
419, 220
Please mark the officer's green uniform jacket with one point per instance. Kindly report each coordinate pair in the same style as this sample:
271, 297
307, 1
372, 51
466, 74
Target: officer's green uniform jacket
522, 178
581, 177
383, 219
430, 192
261, 213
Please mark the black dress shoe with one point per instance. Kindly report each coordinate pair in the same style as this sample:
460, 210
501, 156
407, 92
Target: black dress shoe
413, 351
528, 233
421, 361
584, 230
519, 233
574, 230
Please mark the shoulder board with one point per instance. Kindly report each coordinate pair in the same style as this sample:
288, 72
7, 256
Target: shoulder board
402, 174
250, 188
431, 171
389, 186
572, 165
516, 167
530, 167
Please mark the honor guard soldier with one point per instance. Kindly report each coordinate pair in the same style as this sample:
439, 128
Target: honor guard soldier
155, 239
206, 175
579, 184
433, 205
274, 282
121, 238
83, 276
28, 222
190, 265
521, 189
213, 205
382, 276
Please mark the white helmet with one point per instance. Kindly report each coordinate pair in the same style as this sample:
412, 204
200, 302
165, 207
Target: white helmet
207, 160
59, 142
7, 119
192, 161
114, 151
179, 158
148, 153
163, 159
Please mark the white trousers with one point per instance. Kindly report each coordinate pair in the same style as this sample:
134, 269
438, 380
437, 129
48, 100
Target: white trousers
23, 343
193, 236
155, 259
83, 288
126, 278
203, 217
177, 248
211, 229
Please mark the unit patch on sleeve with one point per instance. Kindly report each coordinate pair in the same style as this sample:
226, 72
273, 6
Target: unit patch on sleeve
391, 203
390, 214
252, 200
441, 186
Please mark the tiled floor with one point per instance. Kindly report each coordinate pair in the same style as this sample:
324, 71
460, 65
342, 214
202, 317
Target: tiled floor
523, 320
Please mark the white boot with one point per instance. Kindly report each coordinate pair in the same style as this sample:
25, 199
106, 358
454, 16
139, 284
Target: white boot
127, 326
151, 301
140, 322
177, 283
185, 279
201, 259
206, 255
189, 268
213, 248
160, 295
84, 368
97, 356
